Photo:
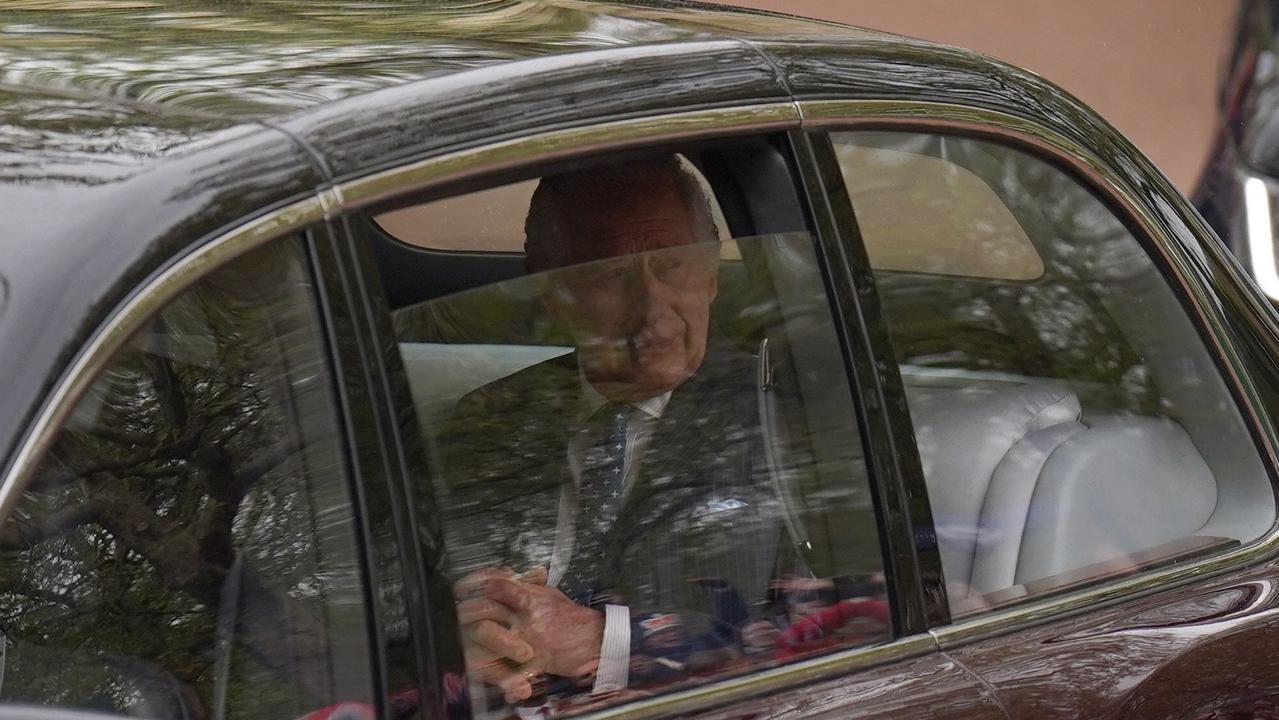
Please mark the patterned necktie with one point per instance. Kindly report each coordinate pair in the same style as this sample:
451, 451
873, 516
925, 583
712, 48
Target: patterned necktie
599, 495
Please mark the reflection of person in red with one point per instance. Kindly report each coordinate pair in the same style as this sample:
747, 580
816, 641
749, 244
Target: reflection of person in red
817, 624
402, 705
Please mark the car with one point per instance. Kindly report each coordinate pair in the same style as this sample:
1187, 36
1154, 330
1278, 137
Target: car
1236, 188
986, 425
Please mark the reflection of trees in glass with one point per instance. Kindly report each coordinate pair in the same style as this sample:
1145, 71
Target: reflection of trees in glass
169, 552
1062, 325
502, 455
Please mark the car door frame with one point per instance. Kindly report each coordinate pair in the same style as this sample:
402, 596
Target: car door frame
468, 167
1188, 258
1179, 263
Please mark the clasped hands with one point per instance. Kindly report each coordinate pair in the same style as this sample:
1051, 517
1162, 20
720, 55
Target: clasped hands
515, 628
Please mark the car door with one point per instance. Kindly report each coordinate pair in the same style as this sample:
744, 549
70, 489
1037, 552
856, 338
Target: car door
440, 244
187, 542
1100, 489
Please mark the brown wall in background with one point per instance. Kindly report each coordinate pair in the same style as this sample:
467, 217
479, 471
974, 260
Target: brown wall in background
1149, 67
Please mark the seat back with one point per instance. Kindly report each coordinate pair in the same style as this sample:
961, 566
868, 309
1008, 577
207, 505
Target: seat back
1022, 488
1124, 485
978, 442
440, 374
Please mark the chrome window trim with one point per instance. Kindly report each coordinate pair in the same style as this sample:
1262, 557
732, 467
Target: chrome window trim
754, 683
613, 136
562, 144
828, 115
183, 271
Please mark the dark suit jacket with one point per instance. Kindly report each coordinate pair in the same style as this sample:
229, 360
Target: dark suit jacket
700, 531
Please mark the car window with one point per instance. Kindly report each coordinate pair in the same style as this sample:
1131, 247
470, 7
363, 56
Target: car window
644, 447
486, 220
1071, 423
186, 548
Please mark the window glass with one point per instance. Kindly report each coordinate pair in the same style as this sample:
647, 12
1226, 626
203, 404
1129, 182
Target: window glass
1070, 421
489, 220
645, 449
186, 549
920, 213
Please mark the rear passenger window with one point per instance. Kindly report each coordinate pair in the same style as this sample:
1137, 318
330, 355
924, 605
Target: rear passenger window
1072, 425
641, 434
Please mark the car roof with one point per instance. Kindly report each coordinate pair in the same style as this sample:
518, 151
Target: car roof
270, 58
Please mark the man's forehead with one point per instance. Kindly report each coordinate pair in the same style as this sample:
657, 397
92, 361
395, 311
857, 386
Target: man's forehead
647, 222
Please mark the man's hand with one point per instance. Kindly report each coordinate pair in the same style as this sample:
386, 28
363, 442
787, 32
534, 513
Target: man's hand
565, 636
492, 648
514, 628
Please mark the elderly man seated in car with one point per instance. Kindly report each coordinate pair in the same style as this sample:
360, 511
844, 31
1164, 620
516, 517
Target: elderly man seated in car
612, 504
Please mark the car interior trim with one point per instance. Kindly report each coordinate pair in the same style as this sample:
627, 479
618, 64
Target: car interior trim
941, 117
762, 682
135, 311
559, 144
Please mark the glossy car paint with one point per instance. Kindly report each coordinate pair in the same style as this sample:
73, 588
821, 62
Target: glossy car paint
110, 176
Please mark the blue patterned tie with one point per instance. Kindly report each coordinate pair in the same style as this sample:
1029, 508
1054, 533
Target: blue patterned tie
599, 496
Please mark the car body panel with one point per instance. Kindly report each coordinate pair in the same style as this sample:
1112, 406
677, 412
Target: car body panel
261, 60
934, 686
422, 119
1193, 652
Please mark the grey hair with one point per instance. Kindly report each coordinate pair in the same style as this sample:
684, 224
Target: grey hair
559, 196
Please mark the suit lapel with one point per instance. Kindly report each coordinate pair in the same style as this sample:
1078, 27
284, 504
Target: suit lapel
697, 447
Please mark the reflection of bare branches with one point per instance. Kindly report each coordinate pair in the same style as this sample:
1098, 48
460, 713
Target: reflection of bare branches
123, 436
21, 535
188, 467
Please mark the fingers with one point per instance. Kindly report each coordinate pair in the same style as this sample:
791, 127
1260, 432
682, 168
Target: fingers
473, 584
501, 641
516, 684
516, 687
478, 608
510, 593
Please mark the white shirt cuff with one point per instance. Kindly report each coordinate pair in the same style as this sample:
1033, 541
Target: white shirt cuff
615, 651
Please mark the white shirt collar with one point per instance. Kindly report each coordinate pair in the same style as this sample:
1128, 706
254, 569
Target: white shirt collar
592, 400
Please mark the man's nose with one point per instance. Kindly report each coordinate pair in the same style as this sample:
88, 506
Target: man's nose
649, 292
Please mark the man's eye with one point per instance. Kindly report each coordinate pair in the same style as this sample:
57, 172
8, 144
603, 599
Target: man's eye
612, 274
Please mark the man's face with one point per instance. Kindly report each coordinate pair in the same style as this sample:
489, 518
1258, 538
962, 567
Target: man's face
639, 306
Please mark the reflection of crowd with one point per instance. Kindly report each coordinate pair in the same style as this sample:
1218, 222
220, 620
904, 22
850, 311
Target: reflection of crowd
814, 615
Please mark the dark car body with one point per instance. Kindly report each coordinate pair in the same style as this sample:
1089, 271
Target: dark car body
143, 147
1242, 162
